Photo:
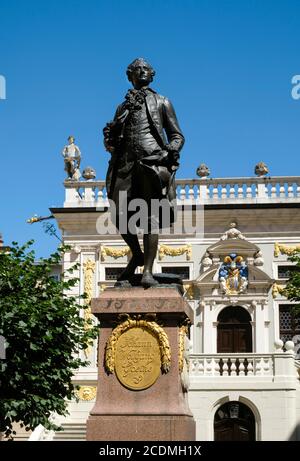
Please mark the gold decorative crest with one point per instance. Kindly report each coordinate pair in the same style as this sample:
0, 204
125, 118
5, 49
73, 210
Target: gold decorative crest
113, 252
152, 327
86, 393
285, 249
171, 251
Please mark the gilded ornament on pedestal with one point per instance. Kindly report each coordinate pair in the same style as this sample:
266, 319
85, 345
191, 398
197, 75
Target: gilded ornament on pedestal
137, 358
137, 350
184, 356
183, 331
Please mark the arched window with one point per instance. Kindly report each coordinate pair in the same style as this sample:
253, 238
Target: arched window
234, 421
234, 330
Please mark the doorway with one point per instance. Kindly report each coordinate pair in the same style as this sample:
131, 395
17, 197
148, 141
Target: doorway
234, 331
234, 421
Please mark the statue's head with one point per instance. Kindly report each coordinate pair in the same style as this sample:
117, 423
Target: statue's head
71, 139
140, 73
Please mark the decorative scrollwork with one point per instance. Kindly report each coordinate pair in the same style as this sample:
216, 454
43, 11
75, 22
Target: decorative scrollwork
171, 251
113, 252
285, 249
153, 327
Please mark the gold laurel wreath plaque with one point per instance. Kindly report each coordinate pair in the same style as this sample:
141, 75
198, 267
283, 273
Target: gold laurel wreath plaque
137, 359
137, 350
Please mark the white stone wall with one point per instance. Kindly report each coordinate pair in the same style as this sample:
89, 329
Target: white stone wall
276, 414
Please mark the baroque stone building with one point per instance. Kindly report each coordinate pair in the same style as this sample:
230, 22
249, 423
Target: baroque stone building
244, 381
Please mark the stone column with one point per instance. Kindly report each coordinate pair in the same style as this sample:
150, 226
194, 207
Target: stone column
142, 380
260, 327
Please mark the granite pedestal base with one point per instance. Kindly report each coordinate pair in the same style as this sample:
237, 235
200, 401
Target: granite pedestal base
137, 428
161, 411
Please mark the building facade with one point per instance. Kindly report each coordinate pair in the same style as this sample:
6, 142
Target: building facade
231, 246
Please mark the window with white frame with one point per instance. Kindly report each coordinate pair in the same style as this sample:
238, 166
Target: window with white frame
289, 322
112, 273
181, 271
284, 271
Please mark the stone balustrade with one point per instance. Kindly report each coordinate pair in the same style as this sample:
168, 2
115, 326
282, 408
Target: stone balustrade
278, 365
281, 189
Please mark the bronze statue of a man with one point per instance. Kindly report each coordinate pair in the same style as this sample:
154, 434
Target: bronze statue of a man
143, 163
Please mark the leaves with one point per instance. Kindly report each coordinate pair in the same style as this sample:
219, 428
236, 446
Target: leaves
292, 289
44, 333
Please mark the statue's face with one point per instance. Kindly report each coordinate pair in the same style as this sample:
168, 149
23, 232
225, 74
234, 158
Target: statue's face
141, 75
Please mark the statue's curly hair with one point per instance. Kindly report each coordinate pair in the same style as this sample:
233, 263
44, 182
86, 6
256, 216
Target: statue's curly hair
134, 64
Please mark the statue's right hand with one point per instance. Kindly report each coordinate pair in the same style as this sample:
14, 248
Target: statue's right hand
109, 136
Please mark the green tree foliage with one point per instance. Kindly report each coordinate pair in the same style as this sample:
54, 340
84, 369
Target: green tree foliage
44, 334
292, 289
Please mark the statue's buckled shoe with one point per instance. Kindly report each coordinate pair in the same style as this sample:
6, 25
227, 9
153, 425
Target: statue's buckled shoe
148, 281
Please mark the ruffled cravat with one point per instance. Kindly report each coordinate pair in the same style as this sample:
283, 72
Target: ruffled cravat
134, 99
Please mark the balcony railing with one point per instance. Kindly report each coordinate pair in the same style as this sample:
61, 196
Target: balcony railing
232, 365
205, 191
279, 365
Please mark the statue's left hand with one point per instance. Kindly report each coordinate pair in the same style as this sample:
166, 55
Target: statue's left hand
174, 160
108, 147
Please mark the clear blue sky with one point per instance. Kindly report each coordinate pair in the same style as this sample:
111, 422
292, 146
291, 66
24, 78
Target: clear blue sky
225, 65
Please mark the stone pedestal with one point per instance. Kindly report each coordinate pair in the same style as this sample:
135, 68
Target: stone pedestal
159, 412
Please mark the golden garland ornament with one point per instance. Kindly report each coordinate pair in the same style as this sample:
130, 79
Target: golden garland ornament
113, 252
165, 250
285, 249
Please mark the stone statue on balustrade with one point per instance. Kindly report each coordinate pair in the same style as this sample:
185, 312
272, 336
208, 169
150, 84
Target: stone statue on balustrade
203, 171
261, 169
144, 140
72, 158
